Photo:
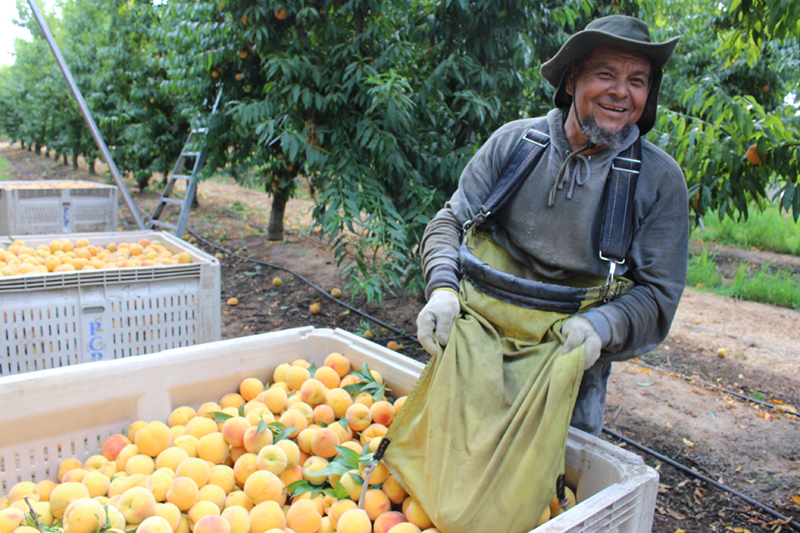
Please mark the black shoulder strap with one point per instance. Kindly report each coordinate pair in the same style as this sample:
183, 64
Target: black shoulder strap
616, 231
523, 160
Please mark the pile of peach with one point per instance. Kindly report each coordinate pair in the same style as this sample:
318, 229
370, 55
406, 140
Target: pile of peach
65, 256
205, 472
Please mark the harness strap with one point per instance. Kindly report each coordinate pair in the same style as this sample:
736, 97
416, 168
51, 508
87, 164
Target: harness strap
616, 231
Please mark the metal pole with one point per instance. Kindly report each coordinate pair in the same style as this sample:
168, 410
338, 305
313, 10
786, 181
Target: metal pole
98, 138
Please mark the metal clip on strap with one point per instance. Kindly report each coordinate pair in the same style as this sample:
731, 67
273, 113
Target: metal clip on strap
376, 458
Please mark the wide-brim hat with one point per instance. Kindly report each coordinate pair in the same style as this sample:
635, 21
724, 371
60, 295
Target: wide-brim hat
620, 31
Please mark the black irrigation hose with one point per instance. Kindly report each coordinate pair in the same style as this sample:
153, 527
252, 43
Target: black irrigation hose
301, 278
769, 510
726, 391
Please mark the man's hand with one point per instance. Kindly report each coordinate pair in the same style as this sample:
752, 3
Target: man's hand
579, 331
439, 314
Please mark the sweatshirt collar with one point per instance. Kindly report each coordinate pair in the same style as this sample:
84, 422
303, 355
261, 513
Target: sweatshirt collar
558, 136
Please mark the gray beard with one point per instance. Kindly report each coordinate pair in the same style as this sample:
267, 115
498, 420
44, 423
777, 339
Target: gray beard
601, 137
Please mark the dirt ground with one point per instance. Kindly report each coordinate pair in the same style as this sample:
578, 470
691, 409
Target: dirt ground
670, 400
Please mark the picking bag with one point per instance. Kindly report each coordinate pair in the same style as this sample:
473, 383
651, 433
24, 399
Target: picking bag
481, 438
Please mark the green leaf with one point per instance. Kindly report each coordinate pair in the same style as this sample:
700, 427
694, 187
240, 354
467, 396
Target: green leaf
241, 410
219, 416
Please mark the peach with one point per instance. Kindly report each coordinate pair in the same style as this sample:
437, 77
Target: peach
124, 454
214, 448
249, 388
140, 464
22, 490
325, 526
195, 468
394, 490
136, 480
238, 498
42, 510
371, 432
154, 524
324, 414
387, 521
274, 398
224, 477
115, 518
134, 427
327, 376
311, 466
238, 519
96, 483
405, 527
212, 524
213, 494
170, 513
137, 504
63, 495
354, 521
338, 509
187, 443
338, 400
159, 483
233, 430
302, 363
555, 505
358, 417
200, 426
324, 442
304, 517
304, 408
291, 475
262, 486
379, 474
171, 458
260, 414
376, 503
184, 527
76, 474
183, 493
253, 439
265, 516
417, 515
383, 413
296, 376
254, 404
352, 482
177, 431
244, 467
272, 458
339, 363
70, 463
208, 409
153, 439
343, 431
303, 440
545, 516
313, 392
349, 379
281, 385
294, 397
10, 519
279, 375
232, 399
291, 450
45, 487
296, 419
84, 516
180, 416
200, 509
95, 462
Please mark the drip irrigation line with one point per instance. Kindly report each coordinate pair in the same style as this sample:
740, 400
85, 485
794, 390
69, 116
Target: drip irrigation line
726, 391
304, 280
769, 510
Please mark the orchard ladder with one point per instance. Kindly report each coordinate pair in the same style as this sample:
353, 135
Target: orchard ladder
195, 150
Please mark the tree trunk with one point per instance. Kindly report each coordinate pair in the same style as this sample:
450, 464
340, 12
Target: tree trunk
275, 230
37, 148
66, 161
23, 144
92, 171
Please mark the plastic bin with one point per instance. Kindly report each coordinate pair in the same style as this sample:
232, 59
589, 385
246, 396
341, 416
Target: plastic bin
50, 415
61, 319
61, 206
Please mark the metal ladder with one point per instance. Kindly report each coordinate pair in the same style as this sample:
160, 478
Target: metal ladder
188, 152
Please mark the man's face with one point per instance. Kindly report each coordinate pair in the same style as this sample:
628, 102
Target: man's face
611, 87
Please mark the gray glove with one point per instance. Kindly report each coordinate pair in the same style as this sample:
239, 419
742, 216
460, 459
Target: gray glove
439, 313
579, 331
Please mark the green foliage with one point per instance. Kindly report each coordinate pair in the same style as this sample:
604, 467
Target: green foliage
702, 272
765, 230
779, 288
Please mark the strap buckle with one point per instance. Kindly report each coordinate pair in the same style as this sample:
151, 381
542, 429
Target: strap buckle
479, 218
611, 290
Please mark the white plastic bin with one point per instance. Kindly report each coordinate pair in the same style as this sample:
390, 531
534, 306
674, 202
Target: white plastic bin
61, 319
51, 415
62, 206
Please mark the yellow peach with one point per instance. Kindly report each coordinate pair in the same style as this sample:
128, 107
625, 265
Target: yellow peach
262, 486
195, 468
96, 483
153, 439
208, 409
180, 416
272, 458
70, 463
339, 400
417, 515
339, 363
394, 490
244, 467
199, 510
233, 430
376, 503
358, 417
311, 466
232, 399
279, 374
45, 487
213, 494
354, 521
291, 450
137, 504
238, 519
113, 445
187, 443
140, 464
386, 521
296, 376
84, 515
255, 439
291, 474
274, 398
296, 419
154, 524
265, 516
159, 483
249, 388
313, 392
224, 477
304, 517
183, 493
10, 519
126, 453
200, 426
171, 458
324, 442
238, 498
22, 490
134, 427
63, 495
170, 513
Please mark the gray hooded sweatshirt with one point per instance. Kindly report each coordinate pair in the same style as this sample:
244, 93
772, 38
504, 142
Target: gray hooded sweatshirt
562, 241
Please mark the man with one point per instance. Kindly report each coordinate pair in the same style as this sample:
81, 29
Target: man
527, 306
607, 79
